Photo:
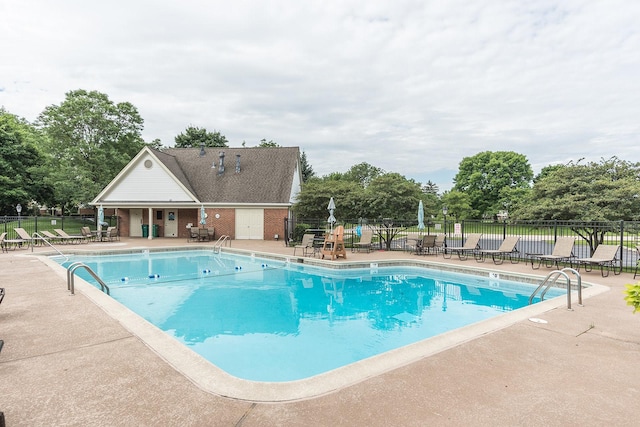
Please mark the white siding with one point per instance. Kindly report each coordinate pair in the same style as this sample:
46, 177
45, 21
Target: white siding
147, 184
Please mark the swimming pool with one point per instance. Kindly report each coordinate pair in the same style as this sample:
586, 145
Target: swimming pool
274, 321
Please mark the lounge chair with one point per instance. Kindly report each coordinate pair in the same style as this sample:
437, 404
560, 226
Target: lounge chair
471, 245
69, 238
365, 241
506, 249
426, 245
6, 243
306, 245
22, 234
562, 252
52, 238
440, 243
605, 256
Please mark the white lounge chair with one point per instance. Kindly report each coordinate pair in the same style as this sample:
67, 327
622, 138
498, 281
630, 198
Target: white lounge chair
605, 256
506, 249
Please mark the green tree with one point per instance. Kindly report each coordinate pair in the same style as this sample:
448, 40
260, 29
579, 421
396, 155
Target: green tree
363, 173
314, 198
307, 170
430, 188
265, 143
392, 196
21, 172
484, 177
89, 140
608, 190
458, 204
194, 137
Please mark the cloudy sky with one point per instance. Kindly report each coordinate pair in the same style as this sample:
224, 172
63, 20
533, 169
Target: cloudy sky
408, 86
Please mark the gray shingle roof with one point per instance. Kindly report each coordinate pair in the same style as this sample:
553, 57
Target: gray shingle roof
266, 173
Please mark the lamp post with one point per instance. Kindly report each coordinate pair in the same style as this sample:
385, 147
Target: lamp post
444, 215
19, 209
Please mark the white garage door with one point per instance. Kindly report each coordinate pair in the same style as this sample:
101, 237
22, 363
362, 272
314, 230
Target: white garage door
250, 224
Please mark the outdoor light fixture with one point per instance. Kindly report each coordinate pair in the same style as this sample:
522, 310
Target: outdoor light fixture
19, 209
444, 215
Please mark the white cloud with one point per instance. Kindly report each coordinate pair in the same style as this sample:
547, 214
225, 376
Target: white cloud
408, 86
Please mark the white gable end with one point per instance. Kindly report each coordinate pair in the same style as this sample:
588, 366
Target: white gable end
147, 181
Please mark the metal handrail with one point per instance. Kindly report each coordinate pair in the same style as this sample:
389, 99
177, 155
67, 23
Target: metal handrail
222, 239
70, 277
552, 278
44, 239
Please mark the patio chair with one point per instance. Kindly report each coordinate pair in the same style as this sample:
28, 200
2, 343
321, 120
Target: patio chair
86, 232
22, 234
426, 245
507, 249
6, 243
562, 252
306, 245
471, 245
68, 237
203, 234
365, 241
605, 256
112, 234
193, 234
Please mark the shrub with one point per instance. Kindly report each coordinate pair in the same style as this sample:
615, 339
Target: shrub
633, 296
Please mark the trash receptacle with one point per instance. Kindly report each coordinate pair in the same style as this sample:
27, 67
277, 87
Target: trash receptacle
156, 230
145, 230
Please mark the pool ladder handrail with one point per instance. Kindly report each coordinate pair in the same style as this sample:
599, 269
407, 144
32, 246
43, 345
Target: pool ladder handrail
71, 274
552, 278
44, 239
224, 239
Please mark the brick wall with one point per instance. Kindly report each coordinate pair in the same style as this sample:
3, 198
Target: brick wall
274, 223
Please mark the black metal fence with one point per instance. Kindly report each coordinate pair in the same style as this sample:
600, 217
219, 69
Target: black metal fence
536, 237
33, 224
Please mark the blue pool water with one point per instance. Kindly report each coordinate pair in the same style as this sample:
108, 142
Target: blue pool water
266, 320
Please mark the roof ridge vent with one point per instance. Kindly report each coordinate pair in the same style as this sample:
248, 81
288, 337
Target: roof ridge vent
202, 152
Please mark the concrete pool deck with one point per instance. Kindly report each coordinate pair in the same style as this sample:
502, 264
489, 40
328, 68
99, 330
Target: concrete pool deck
67, 362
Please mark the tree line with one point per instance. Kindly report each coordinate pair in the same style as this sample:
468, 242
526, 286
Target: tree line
74, 149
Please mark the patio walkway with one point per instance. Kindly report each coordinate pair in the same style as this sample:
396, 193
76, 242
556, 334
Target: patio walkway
66, 362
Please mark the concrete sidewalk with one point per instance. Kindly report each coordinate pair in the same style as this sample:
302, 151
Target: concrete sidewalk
66, 362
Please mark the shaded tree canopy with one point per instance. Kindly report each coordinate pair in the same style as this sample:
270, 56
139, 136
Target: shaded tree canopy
388, 195
485, 176
194, 137
21, 171
89, 140
608, 190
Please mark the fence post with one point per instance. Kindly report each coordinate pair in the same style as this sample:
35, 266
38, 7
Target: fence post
621, 244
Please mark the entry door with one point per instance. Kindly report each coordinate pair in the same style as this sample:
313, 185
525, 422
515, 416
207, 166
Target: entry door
250, 224
170, 223
135, 222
